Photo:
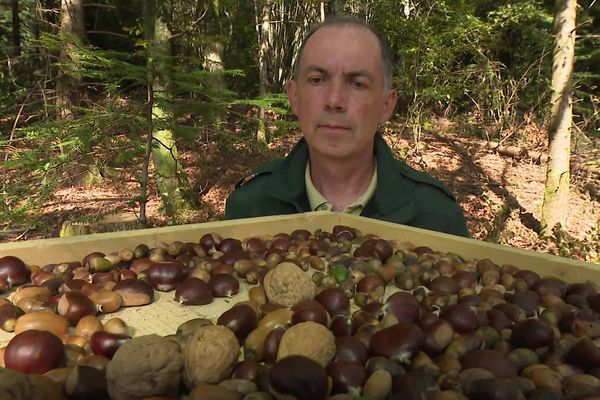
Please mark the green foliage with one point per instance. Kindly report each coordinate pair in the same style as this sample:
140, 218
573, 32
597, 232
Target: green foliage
486, 58
276, 102
110, 133
587, 70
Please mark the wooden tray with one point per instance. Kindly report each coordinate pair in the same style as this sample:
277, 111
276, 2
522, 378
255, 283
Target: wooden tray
164, 315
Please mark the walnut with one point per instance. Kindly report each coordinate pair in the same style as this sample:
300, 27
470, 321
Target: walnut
145, 366
309, 339
287, 284
16, 386
210, 355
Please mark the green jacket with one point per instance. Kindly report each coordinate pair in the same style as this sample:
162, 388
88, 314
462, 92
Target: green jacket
403, 195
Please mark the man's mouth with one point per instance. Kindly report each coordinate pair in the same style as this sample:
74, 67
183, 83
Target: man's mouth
333, 127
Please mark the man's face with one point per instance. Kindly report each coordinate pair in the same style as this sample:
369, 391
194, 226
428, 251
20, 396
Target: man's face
339, 94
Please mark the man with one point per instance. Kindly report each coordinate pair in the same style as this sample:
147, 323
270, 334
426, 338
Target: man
341, 92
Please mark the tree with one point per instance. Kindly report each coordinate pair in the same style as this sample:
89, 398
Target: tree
556, 192
68, 84
16, 29
263, 26
173, 185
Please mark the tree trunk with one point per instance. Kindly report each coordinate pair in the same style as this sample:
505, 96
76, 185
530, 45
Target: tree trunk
172, 181
264, 50
16, 29
556, 192
213, 53
68, 85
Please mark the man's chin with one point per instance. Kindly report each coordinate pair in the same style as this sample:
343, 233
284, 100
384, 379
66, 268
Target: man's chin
333, 151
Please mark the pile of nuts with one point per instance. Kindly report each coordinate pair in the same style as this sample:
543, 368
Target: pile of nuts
320, 323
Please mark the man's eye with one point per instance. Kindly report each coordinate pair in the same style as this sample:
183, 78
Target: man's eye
315, 79
359, 84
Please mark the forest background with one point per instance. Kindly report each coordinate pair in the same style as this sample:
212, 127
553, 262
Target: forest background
117, 115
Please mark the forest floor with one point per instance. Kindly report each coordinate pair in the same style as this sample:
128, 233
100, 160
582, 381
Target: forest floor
500, 195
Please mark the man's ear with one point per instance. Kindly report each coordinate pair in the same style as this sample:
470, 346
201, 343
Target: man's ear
389, 105
291, 91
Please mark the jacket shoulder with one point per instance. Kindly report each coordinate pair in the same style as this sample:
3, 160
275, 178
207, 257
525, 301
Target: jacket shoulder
263, 170
423, 177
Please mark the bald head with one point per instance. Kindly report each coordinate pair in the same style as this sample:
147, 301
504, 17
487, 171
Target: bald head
350, 21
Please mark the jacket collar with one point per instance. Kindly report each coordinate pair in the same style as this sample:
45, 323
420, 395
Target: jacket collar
287, 182
393, 189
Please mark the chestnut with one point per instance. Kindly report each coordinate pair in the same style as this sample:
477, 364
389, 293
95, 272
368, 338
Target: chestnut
255, 245
465, 279
73, 284
271, 344
492, 360
461, 317
585, 290
300, 377
334, 299
34, 352
134, 292
106, 344
107, 301
497, 319
349, 348
224, 285
341, 233
584, 354
529, 277
193, 291
210, 241
437, 335
414, 385
347, 377
309, 310
165, 276
86, 382
341, 325
241, 319
399, 342
140, 265
247, 369
13, 270
229, 245
300, 234
494, 389
580, 322
528, 300
371, 283
75, 305
404, 306
532, 333
445, 284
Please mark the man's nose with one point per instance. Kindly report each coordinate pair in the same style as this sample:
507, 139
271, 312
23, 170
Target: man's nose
335, 96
